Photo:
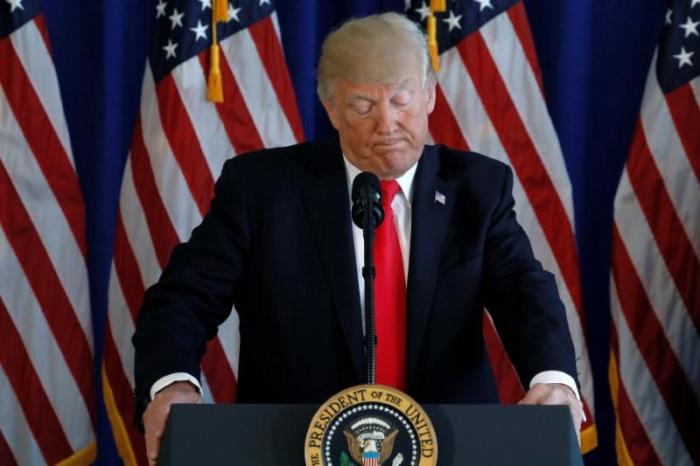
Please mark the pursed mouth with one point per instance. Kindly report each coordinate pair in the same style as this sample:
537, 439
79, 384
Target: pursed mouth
389, 142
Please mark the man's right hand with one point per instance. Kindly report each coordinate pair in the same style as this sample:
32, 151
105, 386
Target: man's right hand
157, 413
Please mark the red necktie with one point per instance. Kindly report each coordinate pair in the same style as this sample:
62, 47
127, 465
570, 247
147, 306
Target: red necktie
390, 291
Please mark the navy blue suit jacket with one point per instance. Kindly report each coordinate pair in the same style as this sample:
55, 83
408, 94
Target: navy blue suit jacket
277, 243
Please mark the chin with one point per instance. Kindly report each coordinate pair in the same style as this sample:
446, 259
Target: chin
396, 166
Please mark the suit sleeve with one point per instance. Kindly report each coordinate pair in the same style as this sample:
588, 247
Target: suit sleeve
522, 297
195, 292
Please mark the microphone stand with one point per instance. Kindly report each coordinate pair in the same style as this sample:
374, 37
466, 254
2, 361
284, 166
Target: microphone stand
368, 273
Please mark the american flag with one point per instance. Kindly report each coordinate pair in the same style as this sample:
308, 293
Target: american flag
47, 399
490, 99
655, 276
179, 145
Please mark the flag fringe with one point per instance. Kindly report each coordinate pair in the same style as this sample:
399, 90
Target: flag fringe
121, 437
589, 439
623, 455
82, 457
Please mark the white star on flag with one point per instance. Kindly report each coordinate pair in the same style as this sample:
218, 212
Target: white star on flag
453, 21
684, 58
200, 31
205, 4
483, 4
170, 49
176, 19
160, 8
694, 2
14, 4
262, 2
669, 12
423, 11
233, 13
690, 27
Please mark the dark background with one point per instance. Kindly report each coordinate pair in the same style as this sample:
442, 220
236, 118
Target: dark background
594, 58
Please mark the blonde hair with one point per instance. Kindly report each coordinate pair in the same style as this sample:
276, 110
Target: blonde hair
377, 48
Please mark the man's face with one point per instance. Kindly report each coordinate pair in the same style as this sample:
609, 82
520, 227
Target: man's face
382, 126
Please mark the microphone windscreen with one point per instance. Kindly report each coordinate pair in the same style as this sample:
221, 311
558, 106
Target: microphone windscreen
366, 194
364, 183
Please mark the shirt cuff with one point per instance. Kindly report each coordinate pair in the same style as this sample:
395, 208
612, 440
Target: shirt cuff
170, 379
558, 377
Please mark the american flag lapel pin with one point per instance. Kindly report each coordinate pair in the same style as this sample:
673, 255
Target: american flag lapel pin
440, 198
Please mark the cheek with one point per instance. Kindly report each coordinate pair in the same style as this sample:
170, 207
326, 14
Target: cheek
415, 123
360, 132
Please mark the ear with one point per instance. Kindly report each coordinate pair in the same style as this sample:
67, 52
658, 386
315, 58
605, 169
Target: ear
332, 112
430, 94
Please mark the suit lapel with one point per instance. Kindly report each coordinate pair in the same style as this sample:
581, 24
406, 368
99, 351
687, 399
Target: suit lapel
328, 206
432, 206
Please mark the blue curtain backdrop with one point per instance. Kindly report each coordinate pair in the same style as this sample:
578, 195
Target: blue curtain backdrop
594, 58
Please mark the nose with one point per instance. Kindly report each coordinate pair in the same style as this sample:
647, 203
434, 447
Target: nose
386, 119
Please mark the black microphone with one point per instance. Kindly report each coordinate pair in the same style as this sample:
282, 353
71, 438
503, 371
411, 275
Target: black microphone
367, 213
366, 195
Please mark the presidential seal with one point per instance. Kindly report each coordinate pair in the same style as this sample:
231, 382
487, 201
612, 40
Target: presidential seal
371, 425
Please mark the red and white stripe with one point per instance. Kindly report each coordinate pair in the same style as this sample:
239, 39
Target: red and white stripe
46, 376
176, 155
655, 282
490, 100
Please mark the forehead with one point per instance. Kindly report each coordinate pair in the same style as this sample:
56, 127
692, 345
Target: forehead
347, 89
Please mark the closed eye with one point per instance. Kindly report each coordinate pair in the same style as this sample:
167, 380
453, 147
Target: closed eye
402, 99
361, 106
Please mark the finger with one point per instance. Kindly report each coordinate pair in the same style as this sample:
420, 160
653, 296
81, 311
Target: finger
552, 394
577, 423
154, 424
575, 408
558, 396
576, 417
577, 413
153, 445
156, 415
534, 395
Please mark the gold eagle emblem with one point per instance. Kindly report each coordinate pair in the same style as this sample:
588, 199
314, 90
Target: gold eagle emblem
380, 443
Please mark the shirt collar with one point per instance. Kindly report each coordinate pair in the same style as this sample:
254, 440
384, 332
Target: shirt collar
405, 181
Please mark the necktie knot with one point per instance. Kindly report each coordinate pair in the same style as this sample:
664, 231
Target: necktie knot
389, 189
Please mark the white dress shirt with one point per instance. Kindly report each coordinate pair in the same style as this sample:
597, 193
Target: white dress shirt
401, 206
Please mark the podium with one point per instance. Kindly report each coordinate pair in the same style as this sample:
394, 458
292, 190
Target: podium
273, 435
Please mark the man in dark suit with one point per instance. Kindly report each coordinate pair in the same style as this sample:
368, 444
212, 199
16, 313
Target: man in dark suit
278, 243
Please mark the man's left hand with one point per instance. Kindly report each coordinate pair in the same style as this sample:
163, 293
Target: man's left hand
556, 394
